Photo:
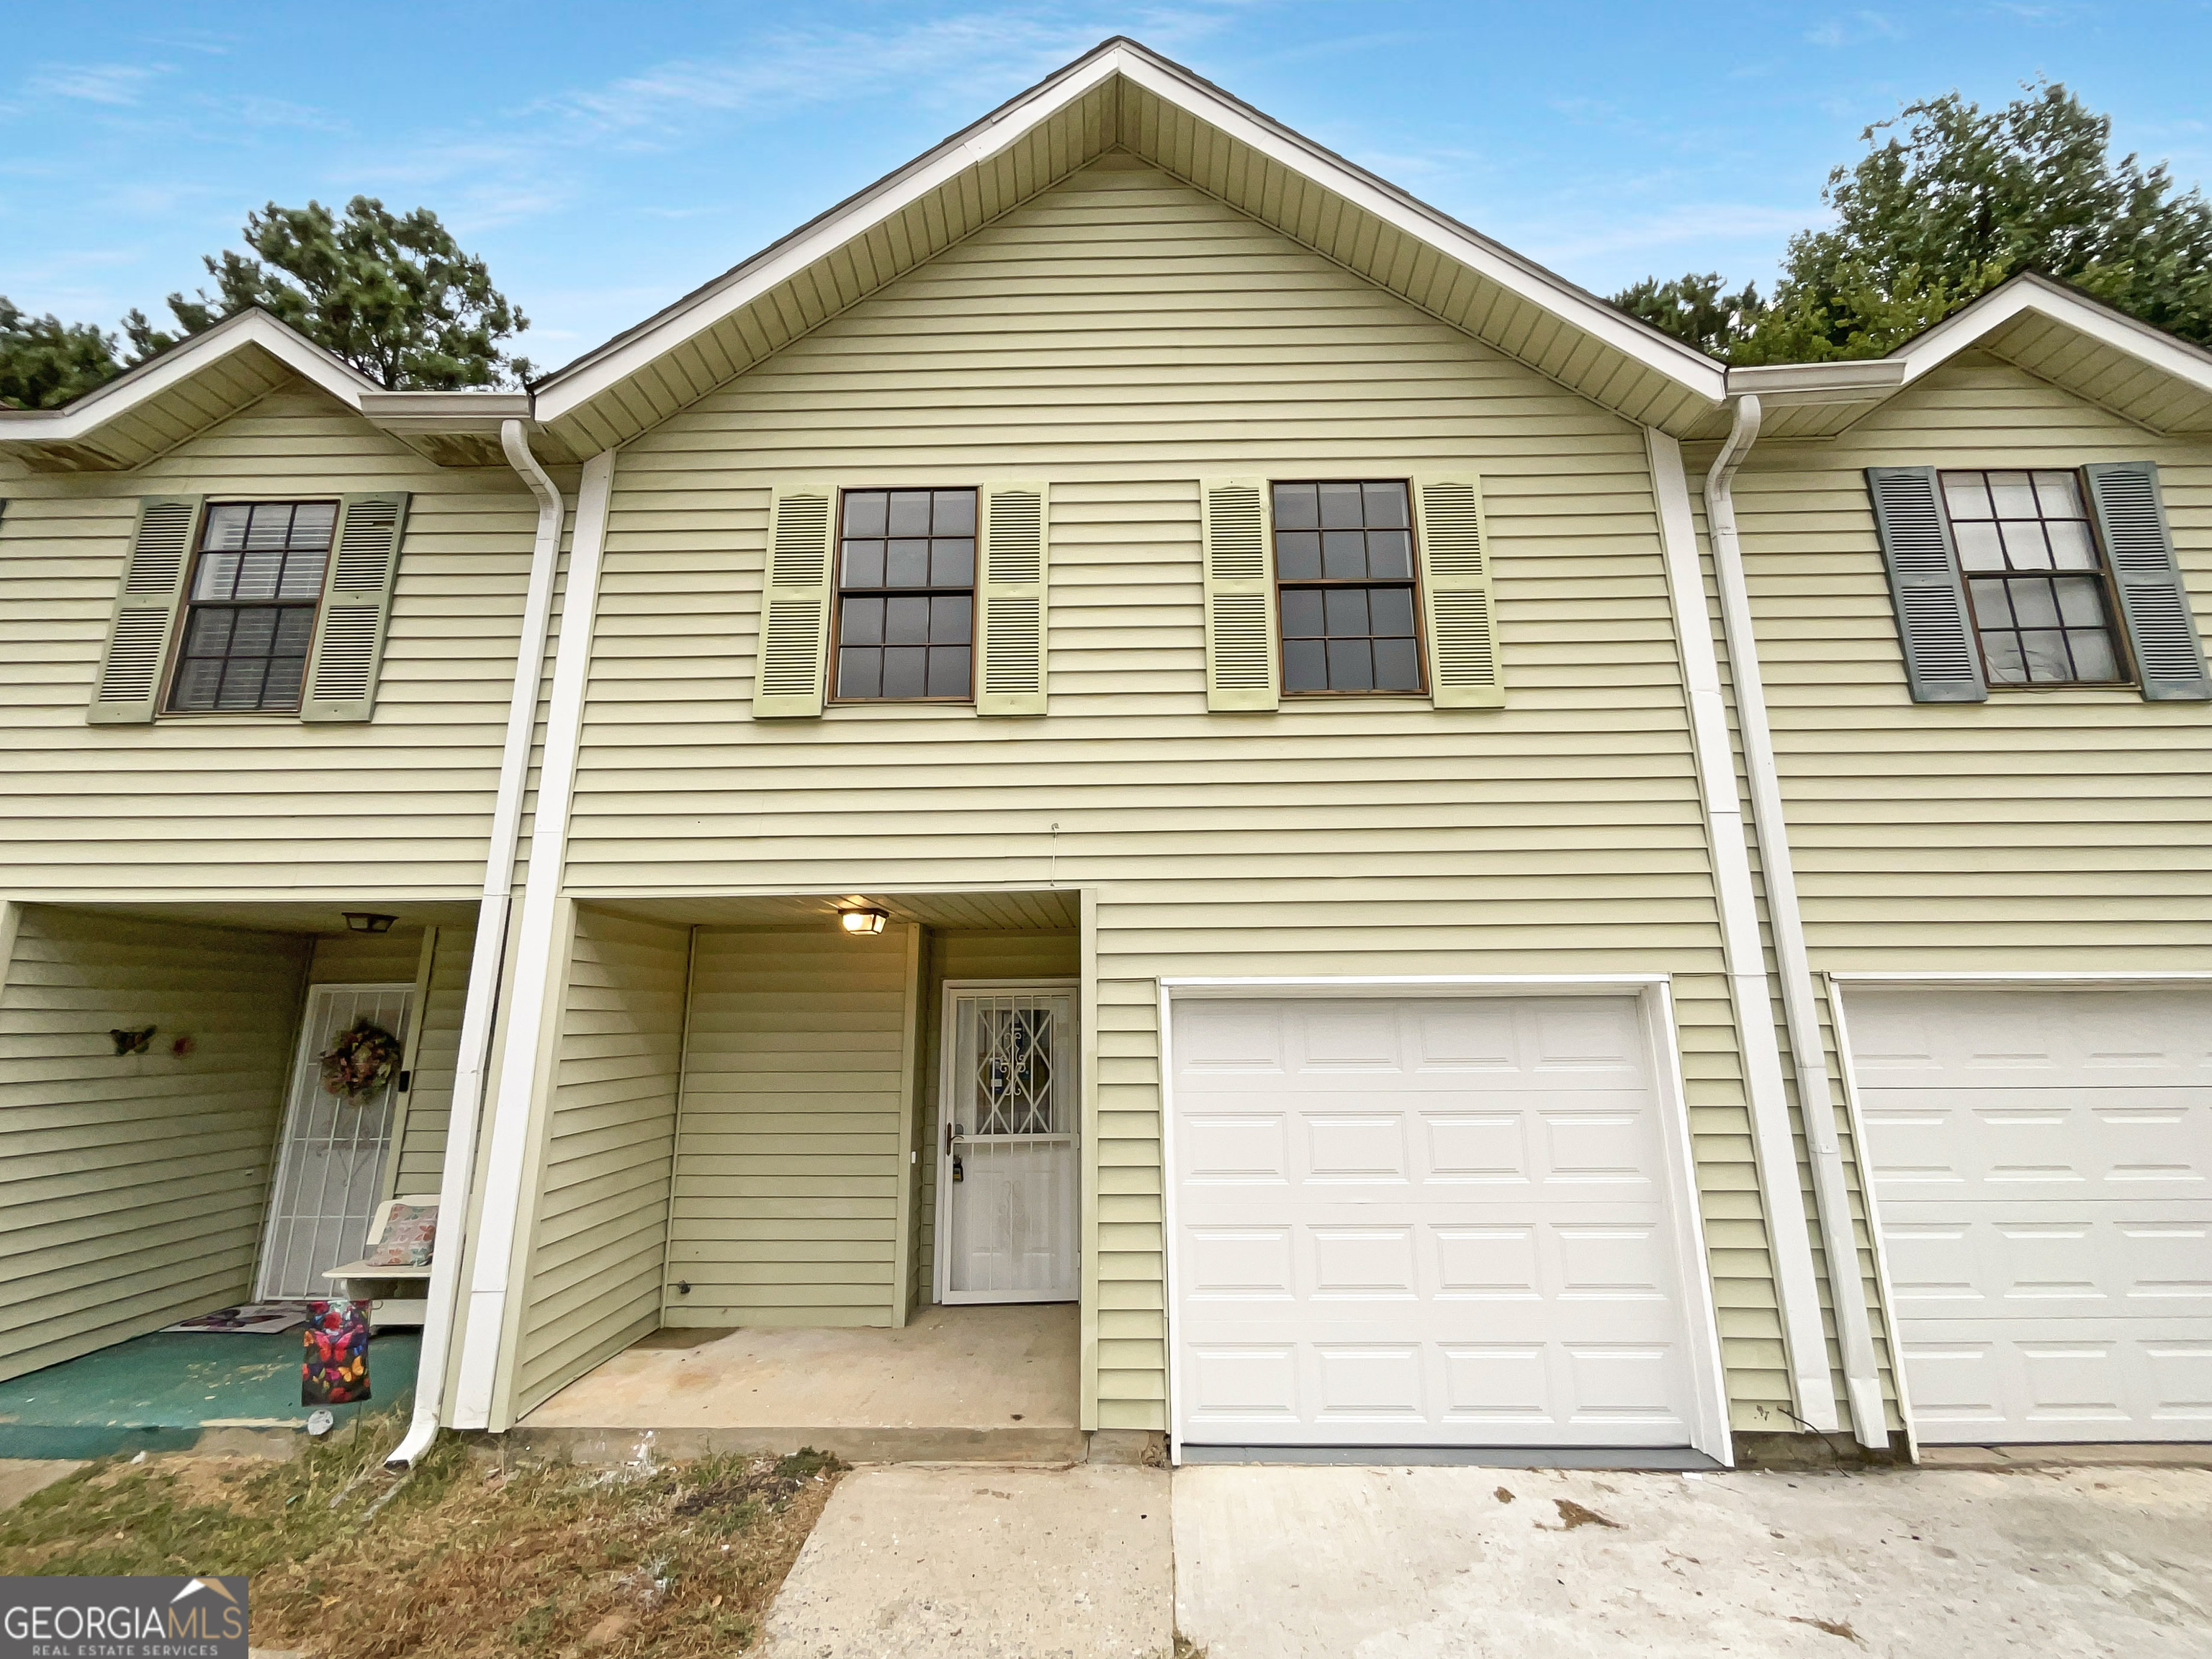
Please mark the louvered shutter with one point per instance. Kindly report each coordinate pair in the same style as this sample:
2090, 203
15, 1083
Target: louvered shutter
1459, 605
1009, 598
145, 611
357, 608
1242, 662
794, 639
1942, 662
2169, 655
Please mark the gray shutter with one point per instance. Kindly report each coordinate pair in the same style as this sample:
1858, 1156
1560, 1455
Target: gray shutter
1459, 606
1243, 666
145, 616
357, 608
1009, 598
2169, 656
1943, 664
795, 638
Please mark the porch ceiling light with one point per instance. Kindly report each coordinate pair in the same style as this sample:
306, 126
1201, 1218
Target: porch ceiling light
368, 921
864, 920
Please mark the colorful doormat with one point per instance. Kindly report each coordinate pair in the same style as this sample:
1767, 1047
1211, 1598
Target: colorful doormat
336, 1370
254, 1318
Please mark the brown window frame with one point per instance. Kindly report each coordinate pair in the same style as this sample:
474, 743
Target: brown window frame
1412, 583
2123, 656
180, 639
831, 695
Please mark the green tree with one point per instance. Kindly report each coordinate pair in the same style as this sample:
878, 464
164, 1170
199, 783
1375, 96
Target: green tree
44, 361
1951, 202
392, 295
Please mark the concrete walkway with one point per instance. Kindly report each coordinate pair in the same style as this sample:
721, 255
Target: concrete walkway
915, 1562
1321, 1562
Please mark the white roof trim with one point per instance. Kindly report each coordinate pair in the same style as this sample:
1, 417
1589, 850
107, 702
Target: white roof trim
180, 362
2031, 293
594, 373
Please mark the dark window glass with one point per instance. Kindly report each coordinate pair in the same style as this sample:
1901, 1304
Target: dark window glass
2042, 607
1344, 570
906, 594
250, 613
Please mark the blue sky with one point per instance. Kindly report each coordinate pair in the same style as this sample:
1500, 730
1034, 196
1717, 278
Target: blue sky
606, 158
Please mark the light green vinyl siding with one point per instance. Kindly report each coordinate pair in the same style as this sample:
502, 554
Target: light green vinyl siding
1122, 337
400, 804
788, 1169
598, 1225
430, 1105
132, 1187
963, 955
2040, 829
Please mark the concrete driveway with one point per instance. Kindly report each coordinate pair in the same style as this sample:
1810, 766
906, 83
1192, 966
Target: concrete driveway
1288, 1563
1317, 1562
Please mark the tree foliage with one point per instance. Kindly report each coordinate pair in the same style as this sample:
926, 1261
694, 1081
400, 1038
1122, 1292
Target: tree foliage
391, 295
44, 361
1950, 201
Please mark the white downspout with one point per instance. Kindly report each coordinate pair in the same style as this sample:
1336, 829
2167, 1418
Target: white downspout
479, 1013
492, 1262
1796, 1284
1808, 1052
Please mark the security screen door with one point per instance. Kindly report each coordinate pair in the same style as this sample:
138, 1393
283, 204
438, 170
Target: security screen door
330, 1166
1007, 1145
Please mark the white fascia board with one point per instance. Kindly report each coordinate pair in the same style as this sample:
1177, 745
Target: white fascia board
2030, 292
445, 411
1687, 367
1780, 386
569, 387
120, 396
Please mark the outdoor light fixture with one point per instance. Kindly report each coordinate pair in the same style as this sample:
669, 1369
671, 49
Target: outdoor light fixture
367, 921
866, 920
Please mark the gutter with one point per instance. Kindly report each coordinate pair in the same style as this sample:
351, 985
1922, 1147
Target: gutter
480, 1012
1801, 1011
1774, 1148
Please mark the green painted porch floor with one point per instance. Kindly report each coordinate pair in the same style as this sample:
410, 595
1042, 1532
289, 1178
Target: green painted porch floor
161, 1393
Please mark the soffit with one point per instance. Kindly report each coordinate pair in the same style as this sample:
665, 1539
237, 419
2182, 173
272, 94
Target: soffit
1053, 909
1123, 98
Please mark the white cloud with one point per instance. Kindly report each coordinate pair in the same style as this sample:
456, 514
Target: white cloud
117, 85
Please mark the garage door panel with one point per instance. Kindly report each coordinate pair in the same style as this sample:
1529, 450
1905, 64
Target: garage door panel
2116, 1143
1389, 1234
2042, 1159
1958, 1261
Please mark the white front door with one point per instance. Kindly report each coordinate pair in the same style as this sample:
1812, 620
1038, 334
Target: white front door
2042, 1164
1430, 1221
330, 1165
1008, 1149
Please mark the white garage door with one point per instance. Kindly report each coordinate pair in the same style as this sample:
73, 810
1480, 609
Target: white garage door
2043, 1163
1426, 1222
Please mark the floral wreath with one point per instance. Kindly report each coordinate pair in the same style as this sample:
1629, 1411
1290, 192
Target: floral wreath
362, 1060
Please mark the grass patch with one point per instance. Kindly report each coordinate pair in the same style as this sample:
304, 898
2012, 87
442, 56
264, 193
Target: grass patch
458, 1558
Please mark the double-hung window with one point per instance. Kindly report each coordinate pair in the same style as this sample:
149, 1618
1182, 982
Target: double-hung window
2040, 595
249, 622
1345, 590
906, 596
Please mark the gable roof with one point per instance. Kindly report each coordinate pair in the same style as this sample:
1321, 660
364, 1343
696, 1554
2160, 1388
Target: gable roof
1122, 96
2106, 357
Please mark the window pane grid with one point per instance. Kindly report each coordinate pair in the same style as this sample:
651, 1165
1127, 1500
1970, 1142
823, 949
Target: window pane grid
1344, 569
906, 595
2041, 608
250, 619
